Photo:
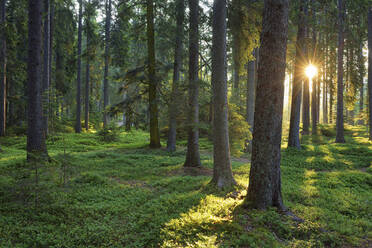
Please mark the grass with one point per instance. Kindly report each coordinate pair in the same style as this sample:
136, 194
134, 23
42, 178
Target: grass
122, 194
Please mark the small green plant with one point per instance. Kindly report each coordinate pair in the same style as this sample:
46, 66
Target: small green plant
239, 131
109, 134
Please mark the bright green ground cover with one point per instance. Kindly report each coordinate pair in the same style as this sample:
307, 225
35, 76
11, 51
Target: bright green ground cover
122, 194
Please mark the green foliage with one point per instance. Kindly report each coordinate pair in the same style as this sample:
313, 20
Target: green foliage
109, 134
239, 131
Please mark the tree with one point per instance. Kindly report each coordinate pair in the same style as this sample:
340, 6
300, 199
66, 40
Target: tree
35, 136
87, 68
294, 125
178, 50
46, 67
107, 56
153, 105
222, 173
2, 68
193, 156
340, 85
264, 180
314, 97
78, 87
370, 69
251, 88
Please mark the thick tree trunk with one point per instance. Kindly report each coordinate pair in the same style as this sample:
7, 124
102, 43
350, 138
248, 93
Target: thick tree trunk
193, 156
78, 89
107, 56
222, 173
174, 103
36, 148
46, 67
251, 89
264, 188
370, 69
3, 85
340, 85
294, 125
154, 126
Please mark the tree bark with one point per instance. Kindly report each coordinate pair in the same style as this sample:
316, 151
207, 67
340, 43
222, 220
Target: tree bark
193, 156
251, 88
370, 69
264, 188
306, 83
36, 148
222, 173
78, 88
314, 98
3, 85
340, 85
107, 57
154, 126
46, 67
87, 76
174, 103
361, 75
294, 124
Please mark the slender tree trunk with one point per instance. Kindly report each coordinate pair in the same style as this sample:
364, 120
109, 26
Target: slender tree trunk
370, 69
294, 125
306, 83
361, 73
78, 91
87, 73
52, 90
264, 188
193, 156
236, 82
35, 136
222, 173
46, 67
107, 56
325, 80
154, 126
340, 85
3, 85
178, 50
314, 101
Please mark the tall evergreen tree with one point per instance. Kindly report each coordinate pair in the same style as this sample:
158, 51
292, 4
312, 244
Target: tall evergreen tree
3, 86
370, 69
107, 56
78, 86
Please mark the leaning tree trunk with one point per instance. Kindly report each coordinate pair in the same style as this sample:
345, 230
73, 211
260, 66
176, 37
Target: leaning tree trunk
78, 91
222, 173
106, 71
46, 67
370, 69
36, 148
2, 68
154, 126
264, 188
193, 156
174, 103
294, 124
340, 85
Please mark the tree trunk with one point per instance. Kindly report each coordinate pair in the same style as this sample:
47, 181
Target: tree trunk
370, 69
314, 100
264, 188
3, 85
325, 80
251, 88
78, 91
222, 173
361, 74
340, 85
36, 148
193, 156
87, 73
46, 67
154, 126
107, 56
294, 125
174, 103
306, 88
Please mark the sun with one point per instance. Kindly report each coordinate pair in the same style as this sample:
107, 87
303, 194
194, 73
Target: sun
311, 71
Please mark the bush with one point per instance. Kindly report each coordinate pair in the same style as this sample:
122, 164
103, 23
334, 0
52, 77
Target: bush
109, 134
239, 131
328, 131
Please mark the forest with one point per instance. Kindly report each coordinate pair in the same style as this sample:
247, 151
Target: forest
186, 123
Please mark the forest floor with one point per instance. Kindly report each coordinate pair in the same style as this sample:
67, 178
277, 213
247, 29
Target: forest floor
122, 194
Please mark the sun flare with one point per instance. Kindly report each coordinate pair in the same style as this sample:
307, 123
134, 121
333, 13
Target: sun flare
311, 71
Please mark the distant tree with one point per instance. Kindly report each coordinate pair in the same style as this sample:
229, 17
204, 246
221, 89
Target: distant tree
3, 86
264, 188
193, 156
340, 85
314, 95
222, 173
370, 69
306, 82
153, 83
294, 125
78, 87
35, 136
107, 56
178, 51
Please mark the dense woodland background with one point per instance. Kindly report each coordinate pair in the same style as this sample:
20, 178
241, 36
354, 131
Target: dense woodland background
174, 123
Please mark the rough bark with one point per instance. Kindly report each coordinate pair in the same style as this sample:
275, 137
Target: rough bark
78, 86
193, 156
340, 85
222, 173
87, 76
264, 188
46, 67
36, 147
3, 85
106, 70
370, 70
154, 126
294, 124
251, 88
174, 103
